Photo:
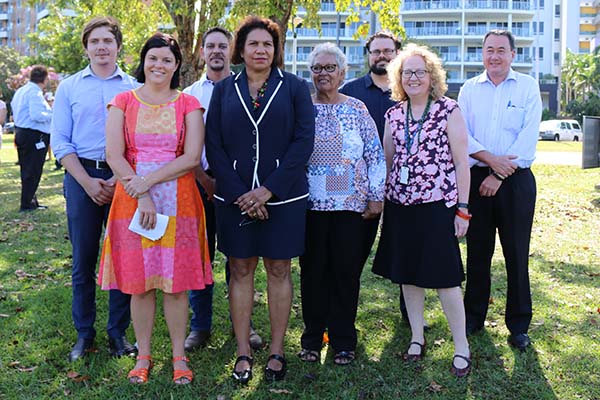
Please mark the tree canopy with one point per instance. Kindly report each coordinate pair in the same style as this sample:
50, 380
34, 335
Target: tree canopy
11, 63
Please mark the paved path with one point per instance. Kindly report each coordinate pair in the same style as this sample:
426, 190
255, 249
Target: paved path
558, 158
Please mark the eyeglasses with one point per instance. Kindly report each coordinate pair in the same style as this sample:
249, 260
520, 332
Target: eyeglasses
420, 73
317, 68
387, 52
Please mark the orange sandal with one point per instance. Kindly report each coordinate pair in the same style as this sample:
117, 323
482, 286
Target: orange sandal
140, 375
182, 376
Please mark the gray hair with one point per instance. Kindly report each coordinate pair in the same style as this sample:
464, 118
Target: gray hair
331, 49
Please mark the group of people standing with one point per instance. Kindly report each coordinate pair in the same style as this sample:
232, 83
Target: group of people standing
284, 174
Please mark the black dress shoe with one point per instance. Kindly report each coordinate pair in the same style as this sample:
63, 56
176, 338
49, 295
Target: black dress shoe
473, 329
256, 342
519, 340
82, 347
196, 339
244, 376
119, 347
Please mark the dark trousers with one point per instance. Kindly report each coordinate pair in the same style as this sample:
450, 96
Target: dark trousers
86, 220
510, 211
201, 301
31, 163
330, 269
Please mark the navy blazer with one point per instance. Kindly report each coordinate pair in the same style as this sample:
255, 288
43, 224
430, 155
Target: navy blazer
268, 147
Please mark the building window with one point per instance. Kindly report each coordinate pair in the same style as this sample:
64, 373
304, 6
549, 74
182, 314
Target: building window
557, 10
540, 53
556, 58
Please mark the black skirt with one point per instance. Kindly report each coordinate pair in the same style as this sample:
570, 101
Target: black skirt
418, 246
279, 237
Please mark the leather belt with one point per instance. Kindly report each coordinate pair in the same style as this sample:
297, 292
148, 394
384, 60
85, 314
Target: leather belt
98, 164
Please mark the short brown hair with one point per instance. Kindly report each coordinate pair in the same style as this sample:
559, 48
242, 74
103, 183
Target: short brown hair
110, 22
383, 35
38, 74
248, 25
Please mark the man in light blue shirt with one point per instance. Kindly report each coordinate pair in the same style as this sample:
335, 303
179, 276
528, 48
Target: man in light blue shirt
78, 141
502, 109
32, 115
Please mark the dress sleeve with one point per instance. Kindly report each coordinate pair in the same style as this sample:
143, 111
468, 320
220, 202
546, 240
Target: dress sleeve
120, 101
372, 153
191, 104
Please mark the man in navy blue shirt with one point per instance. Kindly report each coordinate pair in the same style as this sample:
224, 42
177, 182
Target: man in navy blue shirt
373, 89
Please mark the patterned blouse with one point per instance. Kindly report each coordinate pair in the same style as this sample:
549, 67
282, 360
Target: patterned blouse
347, 167
431, 172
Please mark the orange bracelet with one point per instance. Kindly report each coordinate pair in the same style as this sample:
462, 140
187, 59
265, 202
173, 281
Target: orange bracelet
463, 215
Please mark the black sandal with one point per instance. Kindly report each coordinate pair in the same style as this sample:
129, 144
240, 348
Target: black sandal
309, 356
414, 357
244, 376
460, 372
344, 357
276, 375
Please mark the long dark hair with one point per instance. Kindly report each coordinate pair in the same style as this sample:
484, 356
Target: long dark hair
160, 39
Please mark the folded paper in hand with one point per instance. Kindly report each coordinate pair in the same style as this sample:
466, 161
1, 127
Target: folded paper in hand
153, 234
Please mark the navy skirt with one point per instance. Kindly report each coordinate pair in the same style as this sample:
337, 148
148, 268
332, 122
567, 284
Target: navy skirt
418, 246
279, 237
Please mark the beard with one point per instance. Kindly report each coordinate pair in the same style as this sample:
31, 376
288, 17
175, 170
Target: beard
377, 70
217, 67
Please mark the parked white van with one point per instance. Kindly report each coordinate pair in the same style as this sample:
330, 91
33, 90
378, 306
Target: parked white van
560, 129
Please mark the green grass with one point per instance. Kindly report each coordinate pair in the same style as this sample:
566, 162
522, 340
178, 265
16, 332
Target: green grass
551, 146
36, 331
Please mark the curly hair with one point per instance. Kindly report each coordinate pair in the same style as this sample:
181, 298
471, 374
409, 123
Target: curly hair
433, 65
249, 24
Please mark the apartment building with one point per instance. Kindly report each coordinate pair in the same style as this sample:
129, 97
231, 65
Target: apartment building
580, 25
456, 28
17, 20
333, 29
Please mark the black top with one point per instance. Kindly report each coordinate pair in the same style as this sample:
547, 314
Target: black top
376, 100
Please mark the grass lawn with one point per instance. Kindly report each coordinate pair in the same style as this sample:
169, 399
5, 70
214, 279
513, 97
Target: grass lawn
36, 331
564, 146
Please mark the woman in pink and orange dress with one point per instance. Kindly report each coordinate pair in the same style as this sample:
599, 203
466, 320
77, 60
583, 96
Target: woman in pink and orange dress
154, 136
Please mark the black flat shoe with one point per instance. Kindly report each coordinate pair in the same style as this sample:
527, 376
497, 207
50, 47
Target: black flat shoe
460, 372
276, 375
519, 340
244, 376
414, 357
119, 347
81, 348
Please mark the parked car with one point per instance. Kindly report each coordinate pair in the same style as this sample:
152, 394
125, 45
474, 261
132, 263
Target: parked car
9, 127
560, 129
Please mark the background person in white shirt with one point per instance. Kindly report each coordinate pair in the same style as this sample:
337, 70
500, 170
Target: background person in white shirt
32, 115
502, 109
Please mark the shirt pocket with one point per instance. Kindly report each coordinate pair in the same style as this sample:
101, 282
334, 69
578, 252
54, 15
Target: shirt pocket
513, 119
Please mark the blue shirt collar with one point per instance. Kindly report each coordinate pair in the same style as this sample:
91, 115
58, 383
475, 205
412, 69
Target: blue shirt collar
87, 71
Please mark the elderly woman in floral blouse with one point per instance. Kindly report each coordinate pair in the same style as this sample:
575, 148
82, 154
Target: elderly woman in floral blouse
346, 176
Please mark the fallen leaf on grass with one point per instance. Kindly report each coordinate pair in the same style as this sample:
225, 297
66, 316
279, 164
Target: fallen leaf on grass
593, 321
598, 310
435, 387
221, 397
76, 377
439, 342
30, 369
280, 391
13, 363
19, 309
4, 315
589, 296
67, 392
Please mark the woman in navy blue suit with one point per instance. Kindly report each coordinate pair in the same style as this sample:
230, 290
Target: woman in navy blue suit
260, 134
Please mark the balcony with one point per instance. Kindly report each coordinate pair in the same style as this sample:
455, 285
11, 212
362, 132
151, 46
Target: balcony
325, 33
450, 57
442, 31
476, 30
3, 17
522, 59
487, 4
470, 57
431, 5
521, 5
300, 57
522, 32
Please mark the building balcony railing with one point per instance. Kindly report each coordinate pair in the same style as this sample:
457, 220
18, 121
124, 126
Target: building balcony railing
521, 5
523, 59
444, 31
525, 32
325, 7
303, 57
488, 4
450, 57
477, 30
325, 32
429, 5
469, 57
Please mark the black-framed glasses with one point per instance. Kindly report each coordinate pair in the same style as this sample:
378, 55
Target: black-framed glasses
420, 73
387, 52
317, 68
